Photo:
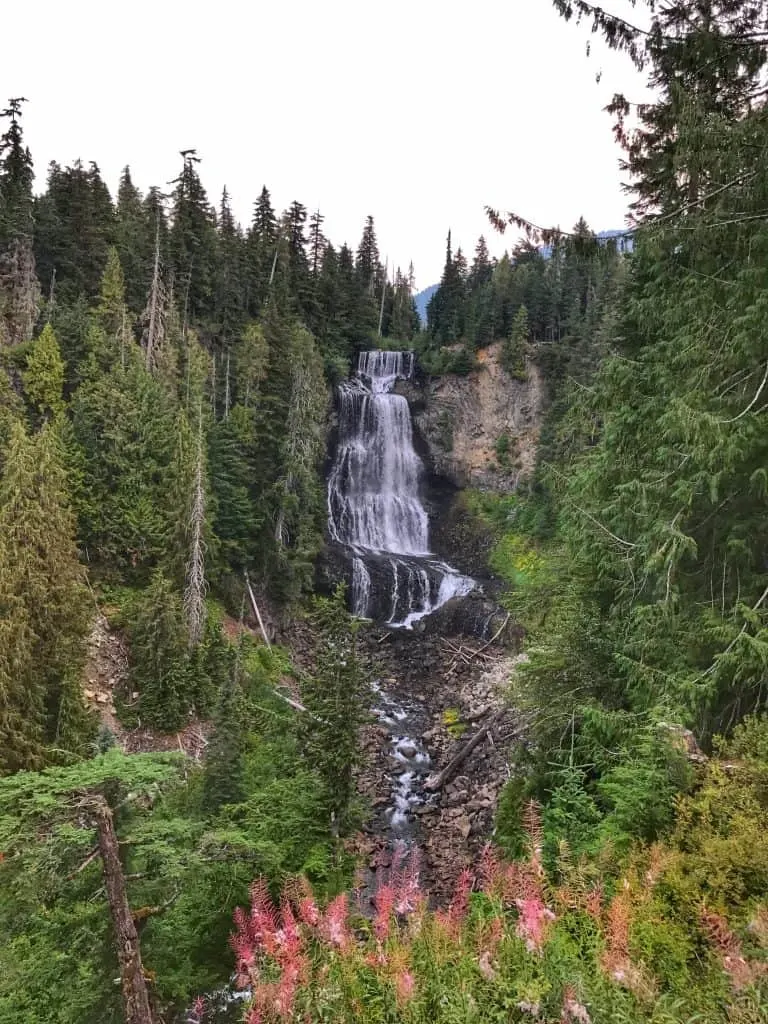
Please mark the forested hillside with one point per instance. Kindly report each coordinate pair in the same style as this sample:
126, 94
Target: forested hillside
166, 382
164, 396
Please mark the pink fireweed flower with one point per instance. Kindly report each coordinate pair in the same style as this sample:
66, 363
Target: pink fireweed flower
741, 971
404, 986
334, 925
573, 1012
533, 922
385, 902
197, 1012
491, 871
459, 905
405, 881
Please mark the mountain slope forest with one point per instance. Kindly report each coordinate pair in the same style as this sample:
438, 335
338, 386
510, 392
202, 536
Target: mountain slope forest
166, 386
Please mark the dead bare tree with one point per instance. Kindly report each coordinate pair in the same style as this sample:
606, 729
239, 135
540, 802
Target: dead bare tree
138, 1009
194, 591
154, 314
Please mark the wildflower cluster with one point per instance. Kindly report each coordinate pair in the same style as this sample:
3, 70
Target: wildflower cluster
494, 950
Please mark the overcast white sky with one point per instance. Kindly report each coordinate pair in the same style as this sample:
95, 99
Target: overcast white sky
417, 111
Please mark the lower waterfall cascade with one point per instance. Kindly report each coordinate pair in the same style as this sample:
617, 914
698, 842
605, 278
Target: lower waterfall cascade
375, 510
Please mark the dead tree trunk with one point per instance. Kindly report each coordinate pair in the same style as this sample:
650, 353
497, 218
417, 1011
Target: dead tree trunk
436, 782
135, 994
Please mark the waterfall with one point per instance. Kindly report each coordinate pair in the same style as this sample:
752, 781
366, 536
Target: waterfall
374, 505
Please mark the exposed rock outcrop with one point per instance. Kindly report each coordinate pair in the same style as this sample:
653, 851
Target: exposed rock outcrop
481, 429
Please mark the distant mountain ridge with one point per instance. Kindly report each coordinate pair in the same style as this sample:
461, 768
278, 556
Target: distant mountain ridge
625, 242
422, 300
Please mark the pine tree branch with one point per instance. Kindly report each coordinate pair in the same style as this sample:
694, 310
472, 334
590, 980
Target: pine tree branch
744, 412
733, 642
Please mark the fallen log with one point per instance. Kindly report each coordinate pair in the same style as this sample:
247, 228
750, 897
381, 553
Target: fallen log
435, 782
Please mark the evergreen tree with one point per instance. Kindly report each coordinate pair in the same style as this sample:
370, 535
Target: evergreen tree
112, 314
297, 262
44, 375
134, 237
42, 597
223, 782
159, 658
445, 310
124, 426
297, 500
261, 250
403, 319
19, 289
368, 261
480, 273
335, 699
317, 243
192, 241
75, 225
229, 299
513, 350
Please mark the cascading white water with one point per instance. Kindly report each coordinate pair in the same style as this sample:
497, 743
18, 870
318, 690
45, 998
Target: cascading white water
374, 506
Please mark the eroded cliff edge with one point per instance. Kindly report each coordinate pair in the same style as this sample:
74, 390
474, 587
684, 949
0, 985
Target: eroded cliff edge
480, 429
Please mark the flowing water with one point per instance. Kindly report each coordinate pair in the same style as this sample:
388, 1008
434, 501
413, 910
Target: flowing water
376, 513
375, 509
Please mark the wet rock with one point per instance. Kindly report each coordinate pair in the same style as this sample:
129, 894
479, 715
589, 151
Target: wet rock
474, 615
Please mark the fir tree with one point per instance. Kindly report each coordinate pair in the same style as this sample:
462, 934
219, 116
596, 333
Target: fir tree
223, 782
124, 425
368, 260
335, 698
75, 225
134, 235
317, 243
159, 656
112, 313
297, 261
513, 350
19, 289
261, 250
44, 375
192, 241
229, 298
42, 595
481, 270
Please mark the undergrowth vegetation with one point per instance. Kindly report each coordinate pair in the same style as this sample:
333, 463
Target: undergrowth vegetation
677, 933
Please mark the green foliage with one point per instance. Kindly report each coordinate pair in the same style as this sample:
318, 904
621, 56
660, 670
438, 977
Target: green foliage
42, 597
44, 375
513, 349
335, 699
124, 425
524, 946
159, 655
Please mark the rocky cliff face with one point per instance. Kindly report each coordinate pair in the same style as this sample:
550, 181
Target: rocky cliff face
482, 429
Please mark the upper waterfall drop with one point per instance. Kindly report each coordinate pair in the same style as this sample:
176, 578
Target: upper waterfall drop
374, 505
